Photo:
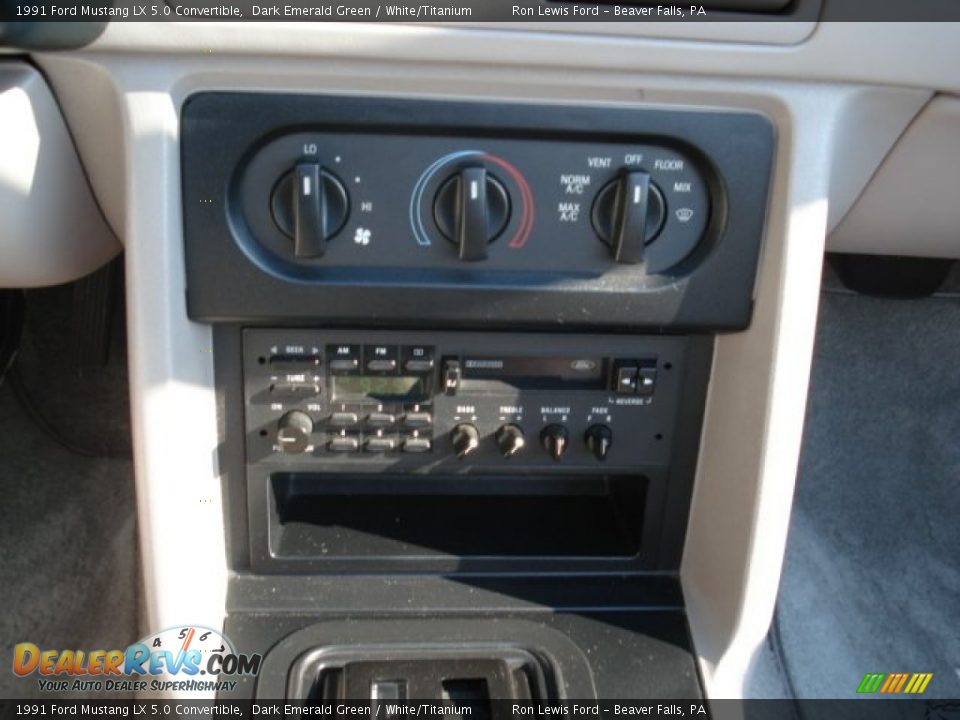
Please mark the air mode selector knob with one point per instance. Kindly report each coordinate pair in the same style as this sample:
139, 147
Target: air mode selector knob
628, 214
471, 209
309, 204
294, 432
465, 439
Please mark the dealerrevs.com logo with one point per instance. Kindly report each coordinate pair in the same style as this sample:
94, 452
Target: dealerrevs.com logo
190, 658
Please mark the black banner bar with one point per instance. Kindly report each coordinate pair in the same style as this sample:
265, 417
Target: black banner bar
872, 708
522, 11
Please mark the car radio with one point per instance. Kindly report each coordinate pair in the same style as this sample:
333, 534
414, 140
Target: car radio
458, 402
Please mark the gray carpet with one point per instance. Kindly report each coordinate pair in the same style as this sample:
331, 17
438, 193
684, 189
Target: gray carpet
69, 574
872, 574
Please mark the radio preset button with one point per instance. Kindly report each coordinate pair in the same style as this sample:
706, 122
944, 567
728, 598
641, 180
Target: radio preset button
381, 419
344, 419
344, 443
418, 419
380, 444
417, 445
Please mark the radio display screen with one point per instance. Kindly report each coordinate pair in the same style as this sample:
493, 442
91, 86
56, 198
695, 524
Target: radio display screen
387, 387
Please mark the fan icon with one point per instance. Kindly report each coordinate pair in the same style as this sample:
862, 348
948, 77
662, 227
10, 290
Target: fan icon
362, 236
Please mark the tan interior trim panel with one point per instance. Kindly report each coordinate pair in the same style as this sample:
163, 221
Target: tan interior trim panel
910, 206
52, 230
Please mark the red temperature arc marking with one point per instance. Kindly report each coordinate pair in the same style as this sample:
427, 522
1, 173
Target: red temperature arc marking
526, 202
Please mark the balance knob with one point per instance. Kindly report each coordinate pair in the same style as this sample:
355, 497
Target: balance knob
628, 214
310, 205
293, 432
471, 209
510, 440
599, 438
554, 440
465, 439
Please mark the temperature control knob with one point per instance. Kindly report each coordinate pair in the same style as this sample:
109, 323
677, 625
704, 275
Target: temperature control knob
293, 432
471, 209
465, 439
510, 440
554, 439
310, 205
628, 213
599, 438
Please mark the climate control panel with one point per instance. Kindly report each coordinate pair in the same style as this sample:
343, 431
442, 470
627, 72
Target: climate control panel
313, 200
382, 209
459, 402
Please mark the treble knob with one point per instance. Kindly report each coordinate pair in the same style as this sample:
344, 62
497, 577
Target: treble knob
510, 440
471, 209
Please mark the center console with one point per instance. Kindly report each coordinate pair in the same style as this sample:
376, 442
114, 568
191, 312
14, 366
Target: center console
464, 347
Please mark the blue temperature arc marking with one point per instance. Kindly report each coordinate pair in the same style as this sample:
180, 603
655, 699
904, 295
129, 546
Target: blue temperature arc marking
416, 219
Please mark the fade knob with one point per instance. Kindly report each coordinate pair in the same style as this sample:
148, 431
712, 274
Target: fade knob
599, 438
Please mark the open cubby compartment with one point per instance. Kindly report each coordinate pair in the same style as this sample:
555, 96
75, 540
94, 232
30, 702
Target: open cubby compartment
334, 516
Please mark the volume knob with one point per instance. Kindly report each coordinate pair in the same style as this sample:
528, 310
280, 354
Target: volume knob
294, 432
465, 439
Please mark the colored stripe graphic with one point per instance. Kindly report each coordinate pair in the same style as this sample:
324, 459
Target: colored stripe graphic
918, 683
891, 683
871, 682
894, 683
